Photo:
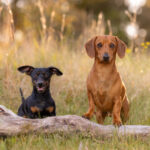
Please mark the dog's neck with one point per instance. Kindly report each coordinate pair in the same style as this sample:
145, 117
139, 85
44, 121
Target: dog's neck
45, 95
104, 70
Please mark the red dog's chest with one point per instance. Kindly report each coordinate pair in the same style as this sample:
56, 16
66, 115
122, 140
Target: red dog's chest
102, 97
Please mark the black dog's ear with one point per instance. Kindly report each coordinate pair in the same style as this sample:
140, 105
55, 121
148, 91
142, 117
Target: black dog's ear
55, 71
26, 69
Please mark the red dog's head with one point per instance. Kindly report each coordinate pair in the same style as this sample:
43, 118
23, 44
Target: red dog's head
104, 48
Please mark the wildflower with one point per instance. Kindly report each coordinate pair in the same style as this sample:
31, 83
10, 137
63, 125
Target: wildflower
142, 44
145, 47
7, 2
128, 50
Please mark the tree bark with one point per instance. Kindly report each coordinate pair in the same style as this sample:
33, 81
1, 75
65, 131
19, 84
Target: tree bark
11, 125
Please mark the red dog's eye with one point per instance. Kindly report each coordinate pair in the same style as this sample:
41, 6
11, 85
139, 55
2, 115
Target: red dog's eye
111, 45
99, 45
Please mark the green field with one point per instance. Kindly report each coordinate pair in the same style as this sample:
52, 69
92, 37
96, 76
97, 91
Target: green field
69, 92
44, 33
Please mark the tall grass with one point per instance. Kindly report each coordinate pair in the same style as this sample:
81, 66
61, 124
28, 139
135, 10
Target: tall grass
69, 90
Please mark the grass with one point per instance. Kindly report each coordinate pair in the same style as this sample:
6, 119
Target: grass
75, 142
69, 92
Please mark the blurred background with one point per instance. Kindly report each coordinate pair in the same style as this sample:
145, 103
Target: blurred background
45, 33
67, 20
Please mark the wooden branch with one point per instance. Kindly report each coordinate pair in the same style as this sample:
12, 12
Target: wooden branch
11, 125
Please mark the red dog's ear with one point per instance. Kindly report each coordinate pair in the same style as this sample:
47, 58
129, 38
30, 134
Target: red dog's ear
90, 47
121, 48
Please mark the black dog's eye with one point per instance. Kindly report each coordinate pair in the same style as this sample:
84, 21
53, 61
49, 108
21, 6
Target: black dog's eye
111, 45
45, 75
99, 45
37, 74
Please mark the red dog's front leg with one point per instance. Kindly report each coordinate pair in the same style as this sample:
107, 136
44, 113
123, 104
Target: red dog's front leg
116, 111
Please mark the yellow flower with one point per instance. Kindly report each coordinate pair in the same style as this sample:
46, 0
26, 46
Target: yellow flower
142, 44
147, 43
128, 50
145, 47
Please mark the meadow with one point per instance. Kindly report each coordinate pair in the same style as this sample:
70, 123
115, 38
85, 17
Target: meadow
69, 90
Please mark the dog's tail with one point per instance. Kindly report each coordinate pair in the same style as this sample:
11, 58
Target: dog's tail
22, 97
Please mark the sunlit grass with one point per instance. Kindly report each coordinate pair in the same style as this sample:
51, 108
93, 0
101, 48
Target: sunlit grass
54, 48
76, 142
69, 92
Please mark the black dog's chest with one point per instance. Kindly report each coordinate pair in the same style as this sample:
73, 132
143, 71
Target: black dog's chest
41, 110
37, 108
42, 105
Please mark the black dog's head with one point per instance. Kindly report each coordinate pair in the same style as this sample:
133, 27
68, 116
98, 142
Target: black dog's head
40, 76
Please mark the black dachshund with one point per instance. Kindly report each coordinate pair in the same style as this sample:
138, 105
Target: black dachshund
40, 104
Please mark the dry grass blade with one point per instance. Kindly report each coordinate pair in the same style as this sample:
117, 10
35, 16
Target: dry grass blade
1, 8
51, 30
42, 18
109, 27
11, 23
62, 26
100, 27
52, 17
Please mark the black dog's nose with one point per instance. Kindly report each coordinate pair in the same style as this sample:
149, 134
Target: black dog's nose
105, 57
40, 84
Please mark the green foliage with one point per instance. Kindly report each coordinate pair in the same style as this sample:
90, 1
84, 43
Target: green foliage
72, 142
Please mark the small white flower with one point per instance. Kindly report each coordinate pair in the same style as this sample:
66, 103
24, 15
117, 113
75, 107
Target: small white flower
7, 2
132, 30
134, 5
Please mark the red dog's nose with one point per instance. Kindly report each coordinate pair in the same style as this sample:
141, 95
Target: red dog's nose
105, 57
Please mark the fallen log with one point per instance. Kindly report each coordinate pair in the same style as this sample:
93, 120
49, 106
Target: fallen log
11, 125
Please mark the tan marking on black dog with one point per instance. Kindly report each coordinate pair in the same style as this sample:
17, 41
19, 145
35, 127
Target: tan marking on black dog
34, 109
24, 116
50, 109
